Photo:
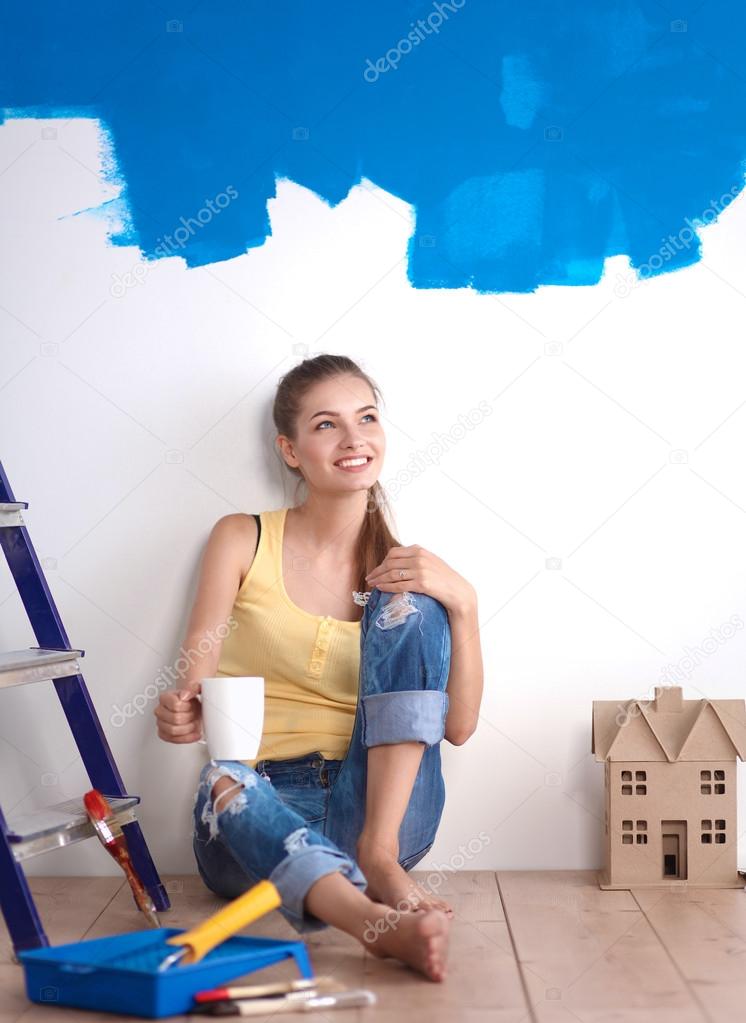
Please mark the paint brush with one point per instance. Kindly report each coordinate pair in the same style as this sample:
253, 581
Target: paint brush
296, 1001
109, 831
221, 994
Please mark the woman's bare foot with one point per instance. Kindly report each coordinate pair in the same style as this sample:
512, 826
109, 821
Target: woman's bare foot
418, 939
388, 882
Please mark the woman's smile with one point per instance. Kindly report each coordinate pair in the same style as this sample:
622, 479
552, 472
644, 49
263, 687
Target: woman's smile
354, 463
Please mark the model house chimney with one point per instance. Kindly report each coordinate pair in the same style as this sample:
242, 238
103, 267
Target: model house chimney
668, 699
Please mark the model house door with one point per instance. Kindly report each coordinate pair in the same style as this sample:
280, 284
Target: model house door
673, 835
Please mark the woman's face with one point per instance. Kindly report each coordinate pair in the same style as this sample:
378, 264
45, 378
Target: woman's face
338, 421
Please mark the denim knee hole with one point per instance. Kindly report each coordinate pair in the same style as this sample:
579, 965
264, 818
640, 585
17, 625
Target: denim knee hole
397, 610
234, 804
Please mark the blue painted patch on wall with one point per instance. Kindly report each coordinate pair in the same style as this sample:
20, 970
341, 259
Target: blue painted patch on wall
533, 141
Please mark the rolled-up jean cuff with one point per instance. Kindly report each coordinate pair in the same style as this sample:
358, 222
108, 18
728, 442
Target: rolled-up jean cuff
416, 715
294, 875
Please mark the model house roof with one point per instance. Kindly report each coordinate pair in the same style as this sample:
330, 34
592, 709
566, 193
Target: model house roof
669, 728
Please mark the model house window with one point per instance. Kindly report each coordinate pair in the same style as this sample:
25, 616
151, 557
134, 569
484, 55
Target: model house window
640, 788
712, 781
634, 831
708, 832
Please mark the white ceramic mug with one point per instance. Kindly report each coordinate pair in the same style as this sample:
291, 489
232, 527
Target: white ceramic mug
233, 716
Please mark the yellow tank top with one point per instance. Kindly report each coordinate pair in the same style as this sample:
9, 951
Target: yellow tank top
310, 663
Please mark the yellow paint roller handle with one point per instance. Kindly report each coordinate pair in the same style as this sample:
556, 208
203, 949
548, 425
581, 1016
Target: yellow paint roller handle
254, 903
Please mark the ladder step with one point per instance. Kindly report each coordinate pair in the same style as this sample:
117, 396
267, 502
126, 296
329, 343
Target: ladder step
18, 667
51, 659
10, 513
31, 834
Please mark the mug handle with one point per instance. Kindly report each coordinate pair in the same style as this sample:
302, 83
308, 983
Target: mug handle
203, 741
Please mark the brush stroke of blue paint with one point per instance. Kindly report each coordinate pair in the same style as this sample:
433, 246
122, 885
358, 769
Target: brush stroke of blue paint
533, 141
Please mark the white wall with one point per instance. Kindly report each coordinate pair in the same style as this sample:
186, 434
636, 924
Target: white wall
132, 418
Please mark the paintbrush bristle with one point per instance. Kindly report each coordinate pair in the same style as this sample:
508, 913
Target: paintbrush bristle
97, 805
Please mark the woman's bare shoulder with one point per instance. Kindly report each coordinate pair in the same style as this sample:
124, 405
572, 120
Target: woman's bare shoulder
240, 533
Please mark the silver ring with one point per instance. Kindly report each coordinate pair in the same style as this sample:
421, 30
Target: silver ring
402, 573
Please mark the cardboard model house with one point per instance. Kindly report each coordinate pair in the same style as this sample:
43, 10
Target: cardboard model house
670, 776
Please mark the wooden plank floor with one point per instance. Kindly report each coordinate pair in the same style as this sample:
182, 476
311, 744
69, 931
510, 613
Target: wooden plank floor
526, 947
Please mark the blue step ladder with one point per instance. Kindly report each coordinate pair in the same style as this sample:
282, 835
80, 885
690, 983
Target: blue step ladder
55, 660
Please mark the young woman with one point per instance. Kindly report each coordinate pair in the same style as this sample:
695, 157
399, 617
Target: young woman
346, 793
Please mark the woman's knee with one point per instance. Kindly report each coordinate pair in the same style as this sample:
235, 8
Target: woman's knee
393, 609
224, 791
223, 785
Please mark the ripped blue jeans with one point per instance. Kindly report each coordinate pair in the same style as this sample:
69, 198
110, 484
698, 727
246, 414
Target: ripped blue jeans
293, 821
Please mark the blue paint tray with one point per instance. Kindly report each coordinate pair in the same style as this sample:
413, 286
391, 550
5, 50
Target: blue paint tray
83, 975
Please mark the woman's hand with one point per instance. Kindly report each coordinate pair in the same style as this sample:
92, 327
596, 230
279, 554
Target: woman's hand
424, 572
179, 714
